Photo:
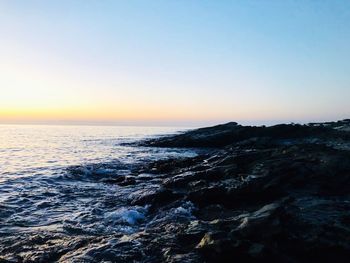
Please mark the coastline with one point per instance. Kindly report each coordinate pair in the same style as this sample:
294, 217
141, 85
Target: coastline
217, 194
278, 193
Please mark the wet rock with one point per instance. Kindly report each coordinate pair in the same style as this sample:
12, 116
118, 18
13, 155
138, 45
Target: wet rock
113, 180
193, 233
128, 181
208, 196
157, 197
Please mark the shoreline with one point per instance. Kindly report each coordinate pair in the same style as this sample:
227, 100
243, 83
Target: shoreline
217, 194
278, 193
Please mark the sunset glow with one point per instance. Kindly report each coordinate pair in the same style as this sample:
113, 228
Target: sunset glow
114, 61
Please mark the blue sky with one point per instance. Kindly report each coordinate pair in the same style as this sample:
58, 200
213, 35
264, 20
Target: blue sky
174, 61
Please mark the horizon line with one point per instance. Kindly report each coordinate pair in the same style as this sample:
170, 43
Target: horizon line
162, 123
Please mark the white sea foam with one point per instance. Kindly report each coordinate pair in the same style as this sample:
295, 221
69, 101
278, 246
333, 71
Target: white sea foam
185, 210
129, 216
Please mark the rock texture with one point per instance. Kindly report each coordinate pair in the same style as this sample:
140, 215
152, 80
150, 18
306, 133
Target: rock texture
274, 194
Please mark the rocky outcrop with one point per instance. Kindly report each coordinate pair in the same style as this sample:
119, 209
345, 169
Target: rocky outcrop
257, 137
275, 194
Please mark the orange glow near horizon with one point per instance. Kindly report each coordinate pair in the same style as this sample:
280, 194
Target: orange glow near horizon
128, 64
37, 93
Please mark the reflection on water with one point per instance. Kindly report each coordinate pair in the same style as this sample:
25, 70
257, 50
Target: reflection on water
26, 149
56, 185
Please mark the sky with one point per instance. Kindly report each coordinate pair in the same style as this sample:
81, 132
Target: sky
174, 62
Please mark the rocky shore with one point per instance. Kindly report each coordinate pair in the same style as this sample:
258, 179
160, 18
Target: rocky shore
259, 194
252, 194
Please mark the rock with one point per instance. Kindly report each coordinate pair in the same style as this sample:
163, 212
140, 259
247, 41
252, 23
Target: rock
156, 197
266, 194
193, 234
226, 134
208, 196
128, 180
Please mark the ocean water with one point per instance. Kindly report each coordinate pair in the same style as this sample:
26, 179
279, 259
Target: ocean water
33, 150
56, 181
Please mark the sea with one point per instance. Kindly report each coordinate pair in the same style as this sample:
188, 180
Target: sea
56, 181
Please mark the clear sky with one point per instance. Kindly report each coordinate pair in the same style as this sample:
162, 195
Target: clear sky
174, 62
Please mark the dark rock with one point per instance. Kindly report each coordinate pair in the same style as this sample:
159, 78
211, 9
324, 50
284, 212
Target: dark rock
226, 134
275, 194
156, 197
193, 233
128, 181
